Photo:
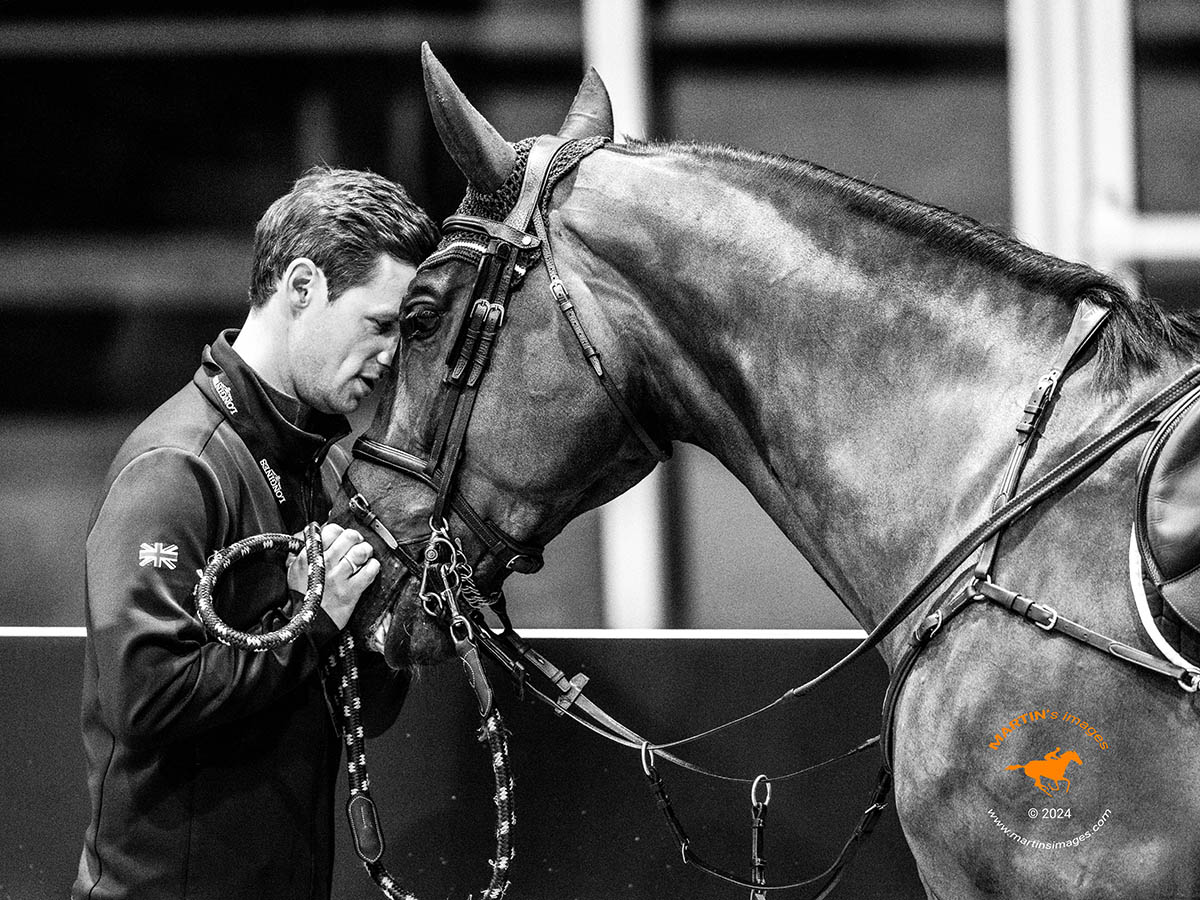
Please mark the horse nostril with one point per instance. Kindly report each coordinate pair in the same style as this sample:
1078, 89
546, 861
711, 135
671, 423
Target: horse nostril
525, 564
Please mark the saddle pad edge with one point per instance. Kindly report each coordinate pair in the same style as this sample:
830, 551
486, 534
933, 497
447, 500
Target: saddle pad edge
1143, 607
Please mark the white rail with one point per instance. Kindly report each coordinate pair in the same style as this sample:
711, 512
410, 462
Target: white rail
632, 634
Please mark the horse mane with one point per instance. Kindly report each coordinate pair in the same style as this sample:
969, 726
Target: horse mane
1139, 336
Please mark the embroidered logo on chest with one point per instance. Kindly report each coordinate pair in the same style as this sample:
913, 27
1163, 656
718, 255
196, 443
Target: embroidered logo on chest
272, 479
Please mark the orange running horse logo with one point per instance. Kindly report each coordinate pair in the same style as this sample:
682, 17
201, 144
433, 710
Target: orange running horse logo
1052, 768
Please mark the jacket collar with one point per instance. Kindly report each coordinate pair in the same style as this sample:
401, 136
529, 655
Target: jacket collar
295, 435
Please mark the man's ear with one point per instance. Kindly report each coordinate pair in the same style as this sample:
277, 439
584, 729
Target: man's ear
302, 282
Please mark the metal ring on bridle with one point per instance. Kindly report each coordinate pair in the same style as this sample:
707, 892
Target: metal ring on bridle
300, 622
647, 758
754, 801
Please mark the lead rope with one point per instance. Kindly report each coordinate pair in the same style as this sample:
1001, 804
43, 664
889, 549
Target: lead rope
360, 809
342, 669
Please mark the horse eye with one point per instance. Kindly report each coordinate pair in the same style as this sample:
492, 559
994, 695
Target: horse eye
421, 323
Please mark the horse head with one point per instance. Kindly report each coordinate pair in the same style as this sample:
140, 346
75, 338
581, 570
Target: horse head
504, 456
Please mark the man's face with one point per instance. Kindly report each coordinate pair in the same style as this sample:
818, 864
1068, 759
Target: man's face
340, 350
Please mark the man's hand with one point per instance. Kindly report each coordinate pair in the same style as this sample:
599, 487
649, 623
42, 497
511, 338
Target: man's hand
349, 567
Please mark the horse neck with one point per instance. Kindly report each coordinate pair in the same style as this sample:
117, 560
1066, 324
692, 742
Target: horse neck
862, 385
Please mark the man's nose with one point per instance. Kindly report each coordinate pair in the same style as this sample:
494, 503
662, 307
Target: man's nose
384, 356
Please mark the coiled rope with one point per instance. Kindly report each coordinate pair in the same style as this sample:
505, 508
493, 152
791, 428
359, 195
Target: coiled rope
220, 562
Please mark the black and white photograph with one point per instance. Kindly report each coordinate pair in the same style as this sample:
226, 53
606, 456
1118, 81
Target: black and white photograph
591, 449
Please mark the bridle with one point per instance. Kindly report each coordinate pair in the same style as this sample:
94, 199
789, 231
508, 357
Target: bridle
503, 252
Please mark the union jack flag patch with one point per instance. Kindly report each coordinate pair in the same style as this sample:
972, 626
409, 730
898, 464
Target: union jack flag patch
158, 555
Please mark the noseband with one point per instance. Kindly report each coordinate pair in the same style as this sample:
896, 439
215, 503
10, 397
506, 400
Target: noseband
503, 252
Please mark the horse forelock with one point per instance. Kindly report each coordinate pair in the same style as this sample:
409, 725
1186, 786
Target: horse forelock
1138, 339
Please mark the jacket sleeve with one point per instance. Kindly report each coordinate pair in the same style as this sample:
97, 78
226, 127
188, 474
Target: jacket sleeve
160, 676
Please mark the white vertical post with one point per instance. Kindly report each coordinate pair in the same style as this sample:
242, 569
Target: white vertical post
1112, 139
1074, 141
1030, 118
615, 43
633, 546
1068, 163
1046, 124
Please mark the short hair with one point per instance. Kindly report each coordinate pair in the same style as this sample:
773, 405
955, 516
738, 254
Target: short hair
343, 220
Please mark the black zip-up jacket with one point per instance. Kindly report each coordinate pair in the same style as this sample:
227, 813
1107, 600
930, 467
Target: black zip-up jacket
211, 770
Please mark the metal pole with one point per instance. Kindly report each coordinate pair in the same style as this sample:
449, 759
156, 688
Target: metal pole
633, 545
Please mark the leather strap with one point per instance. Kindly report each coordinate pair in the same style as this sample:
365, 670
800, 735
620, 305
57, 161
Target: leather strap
948, 605
537, 168
515, 555
590, 353
937, 617
1089, 316
495, 229
1048, 619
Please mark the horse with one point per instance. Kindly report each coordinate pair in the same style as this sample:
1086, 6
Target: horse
858, 359
1052, 767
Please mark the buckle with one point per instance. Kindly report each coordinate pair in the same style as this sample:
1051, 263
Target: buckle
577, 683
927, 628
1049, 611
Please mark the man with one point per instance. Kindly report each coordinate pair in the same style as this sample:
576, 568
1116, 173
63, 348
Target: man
211, 769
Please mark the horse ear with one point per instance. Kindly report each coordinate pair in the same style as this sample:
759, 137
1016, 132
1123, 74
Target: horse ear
480, 153
591, 111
